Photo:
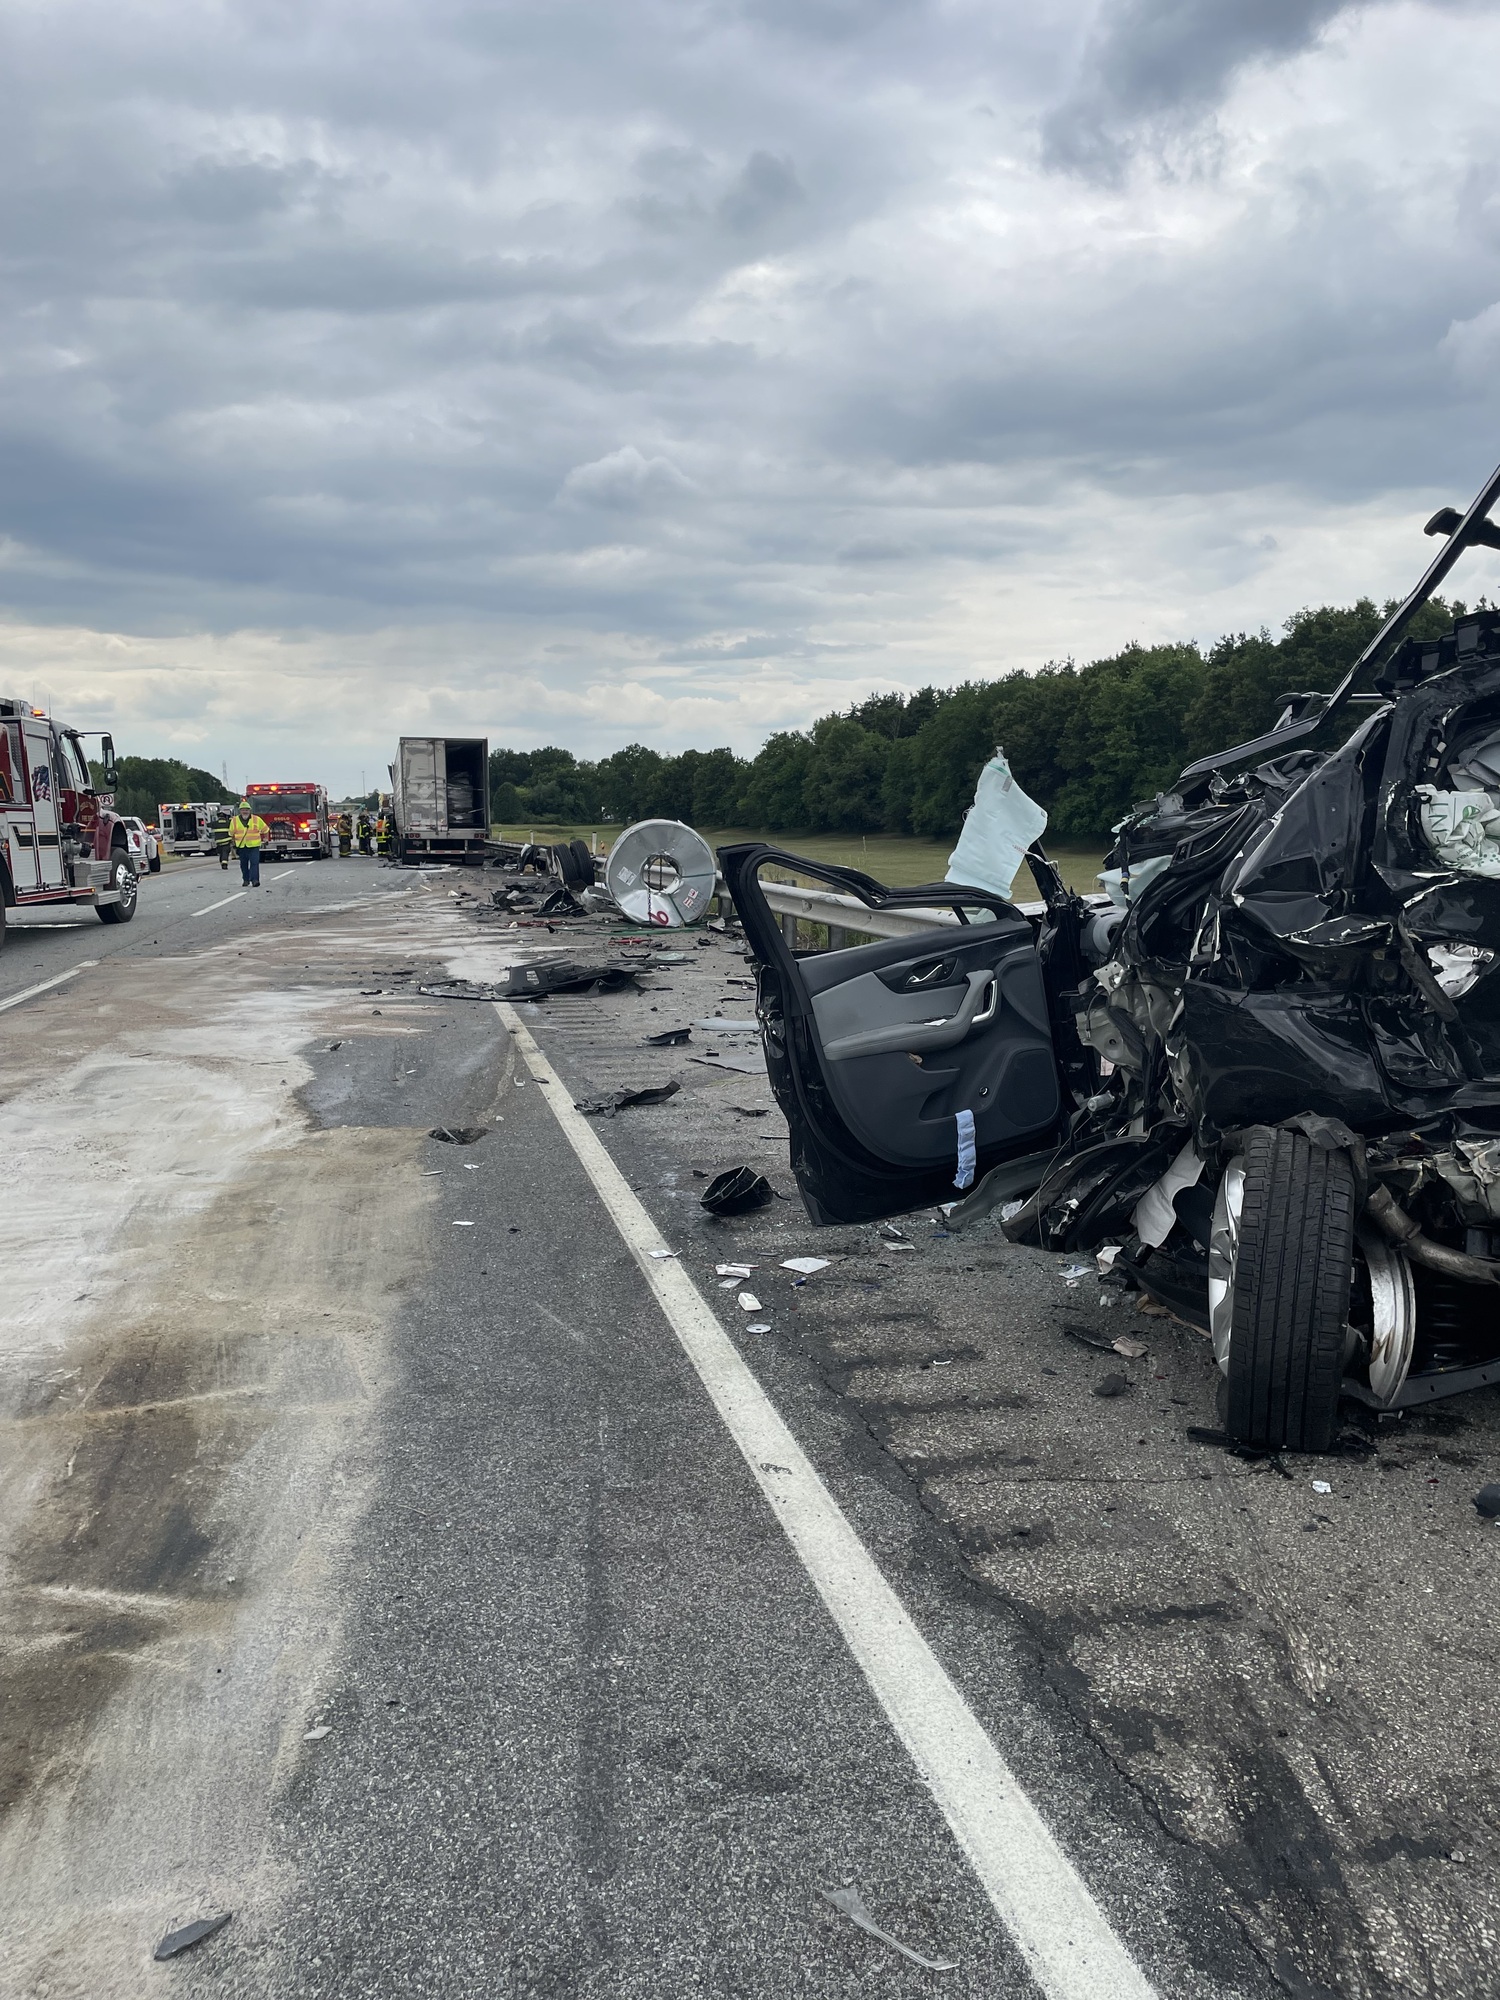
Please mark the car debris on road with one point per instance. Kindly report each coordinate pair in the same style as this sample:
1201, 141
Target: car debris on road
1266, 1068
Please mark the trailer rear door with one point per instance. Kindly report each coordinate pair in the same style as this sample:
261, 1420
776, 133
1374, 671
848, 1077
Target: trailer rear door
425, 799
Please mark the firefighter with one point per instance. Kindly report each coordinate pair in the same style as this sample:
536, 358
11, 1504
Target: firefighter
383, 834
222, 841
346, 834
364, 834
247, 831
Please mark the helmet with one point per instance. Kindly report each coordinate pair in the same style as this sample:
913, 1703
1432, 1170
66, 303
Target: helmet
244, 805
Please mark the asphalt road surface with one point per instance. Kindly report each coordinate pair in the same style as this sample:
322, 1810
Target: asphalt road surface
399, 1556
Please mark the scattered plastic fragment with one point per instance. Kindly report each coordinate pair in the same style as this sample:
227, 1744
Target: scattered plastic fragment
1087, 1338
533, 982
729, 1284
1077, 1271
737, 1192
720, 1026
459, 1135
1321, 1486
1105, 1258
661, 1253
806, 1265
1010, 1210
191, 1934
1132, 1350
672, 1039
431, 1173
849, 1903
759, 1326
317, 1734
621, 1100
733, 1270
1113, 1385
891, 1233
749, 1303
739, 1064
463, 1225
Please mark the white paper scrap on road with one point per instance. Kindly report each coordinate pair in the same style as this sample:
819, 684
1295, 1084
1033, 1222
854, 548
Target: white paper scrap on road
806, 1265
734, 1270
1065, 1938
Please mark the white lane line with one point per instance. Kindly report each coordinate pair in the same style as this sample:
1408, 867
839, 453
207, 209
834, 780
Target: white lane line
42, 985
1062, 1933
209, 907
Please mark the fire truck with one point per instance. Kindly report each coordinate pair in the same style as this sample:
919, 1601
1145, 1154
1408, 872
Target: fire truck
297, 816
61, 840
191, 828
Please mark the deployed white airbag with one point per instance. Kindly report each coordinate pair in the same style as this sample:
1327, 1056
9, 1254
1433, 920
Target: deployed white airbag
999, 827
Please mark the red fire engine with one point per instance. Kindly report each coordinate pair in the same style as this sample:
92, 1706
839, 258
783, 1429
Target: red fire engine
297, 816
60, 839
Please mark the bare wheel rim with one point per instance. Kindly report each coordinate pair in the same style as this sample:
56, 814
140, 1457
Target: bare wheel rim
1393, 1308
1223, 1253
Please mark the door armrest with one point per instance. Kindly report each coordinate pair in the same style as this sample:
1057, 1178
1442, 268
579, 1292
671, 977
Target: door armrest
916, 1037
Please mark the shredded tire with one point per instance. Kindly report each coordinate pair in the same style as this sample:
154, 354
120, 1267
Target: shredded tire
1291, 1293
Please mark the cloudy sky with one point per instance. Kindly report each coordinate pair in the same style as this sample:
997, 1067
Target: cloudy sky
677, 370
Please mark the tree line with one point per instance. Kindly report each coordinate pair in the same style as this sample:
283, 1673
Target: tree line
145, 783
1087, 742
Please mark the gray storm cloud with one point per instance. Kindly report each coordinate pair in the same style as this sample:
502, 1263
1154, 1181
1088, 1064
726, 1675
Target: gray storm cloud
687, 369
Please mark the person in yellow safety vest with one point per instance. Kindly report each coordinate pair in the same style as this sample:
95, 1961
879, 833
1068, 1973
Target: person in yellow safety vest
247, 830
346, 832
382, 835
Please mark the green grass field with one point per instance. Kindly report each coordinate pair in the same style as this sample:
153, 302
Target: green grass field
889, 857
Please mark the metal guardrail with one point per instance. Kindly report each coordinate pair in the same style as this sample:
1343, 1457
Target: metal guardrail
847, 915
843, 914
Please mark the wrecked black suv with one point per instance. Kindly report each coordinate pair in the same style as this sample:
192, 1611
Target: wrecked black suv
1269, 1070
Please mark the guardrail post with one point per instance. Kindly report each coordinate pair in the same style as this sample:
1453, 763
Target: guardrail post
789, 930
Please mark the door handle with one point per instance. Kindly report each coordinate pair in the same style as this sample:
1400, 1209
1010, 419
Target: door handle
916, 1037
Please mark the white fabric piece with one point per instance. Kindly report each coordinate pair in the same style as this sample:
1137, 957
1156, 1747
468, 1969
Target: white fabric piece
966, 1152
1154, 1214
999, 827
1463, 829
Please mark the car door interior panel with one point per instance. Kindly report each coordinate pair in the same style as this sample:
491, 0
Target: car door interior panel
901, 1059
876, 1050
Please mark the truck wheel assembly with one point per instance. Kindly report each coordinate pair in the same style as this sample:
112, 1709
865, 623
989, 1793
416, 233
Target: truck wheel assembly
1281, 1259
123, 882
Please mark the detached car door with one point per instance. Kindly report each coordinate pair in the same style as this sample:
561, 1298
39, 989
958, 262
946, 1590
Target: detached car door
909, 1066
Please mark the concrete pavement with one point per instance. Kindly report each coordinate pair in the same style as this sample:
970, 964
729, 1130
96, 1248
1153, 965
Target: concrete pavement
291, 1449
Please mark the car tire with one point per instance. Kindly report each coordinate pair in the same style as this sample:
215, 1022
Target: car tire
122, 877
585, 862
1288, 1267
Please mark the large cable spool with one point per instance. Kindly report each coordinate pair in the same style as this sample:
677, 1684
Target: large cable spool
660, 872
